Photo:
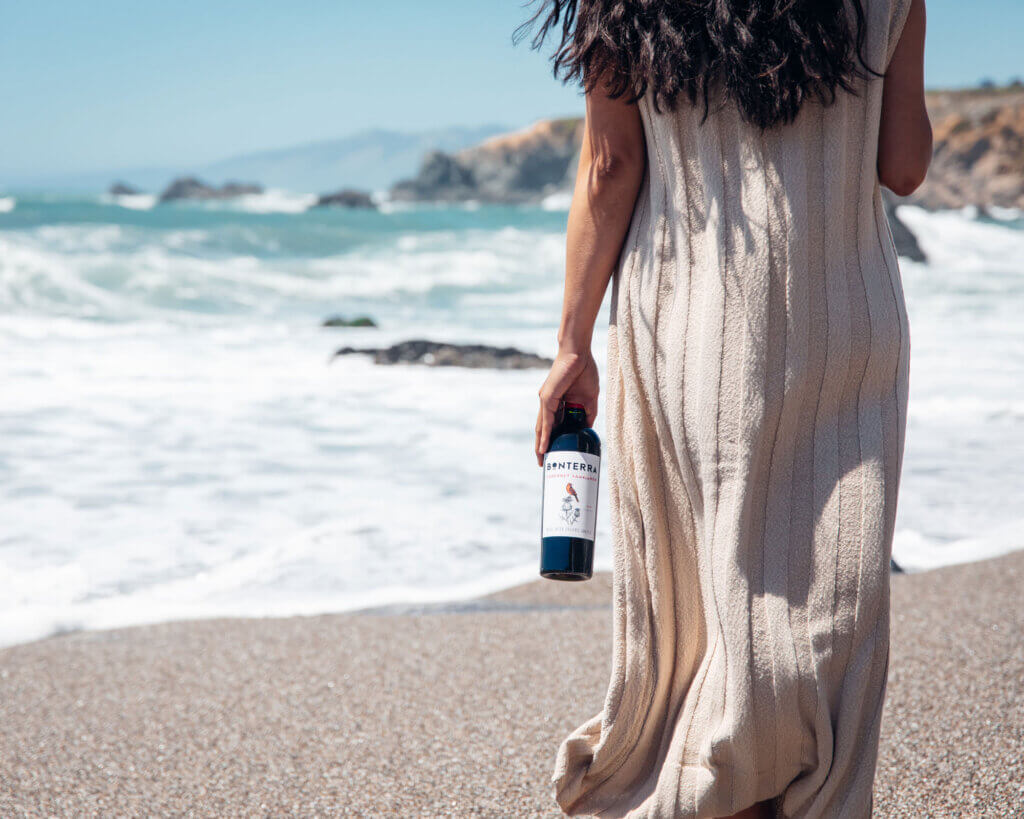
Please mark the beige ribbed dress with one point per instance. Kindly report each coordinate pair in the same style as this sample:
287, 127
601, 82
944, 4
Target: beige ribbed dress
756, 405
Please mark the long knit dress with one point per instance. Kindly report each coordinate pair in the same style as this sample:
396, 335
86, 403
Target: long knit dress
756, 391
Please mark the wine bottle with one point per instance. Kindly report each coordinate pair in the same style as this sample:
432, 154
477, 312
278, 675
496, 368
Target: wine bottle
572, 467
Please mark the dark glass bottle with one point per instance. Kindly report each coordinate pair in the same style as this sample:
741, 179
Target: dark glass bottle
572, 467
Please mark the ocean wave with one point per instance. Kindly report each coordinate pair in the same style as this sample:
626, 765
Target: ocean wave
557, 201
1005, 214
269, 201
508, 261
967, 408
122, 272
218, 472
65, 606
960, 241
7, 204
974, 212
275, 201
914, 551
386, 205
49, 600
131, 201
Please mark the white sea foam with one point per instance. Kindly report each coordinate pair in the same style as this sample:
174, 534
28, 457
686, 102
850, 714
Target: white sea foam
275, 201
961, 244
271, 200
237, 472
557, 201
1005, 214
109, 271
7, 204
387, 205
176, 442
132, 201
916, 552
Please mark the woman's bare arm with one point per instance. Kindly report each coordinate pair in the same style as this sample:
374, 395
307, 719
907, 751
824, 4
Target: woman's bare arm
612, 162
905, 133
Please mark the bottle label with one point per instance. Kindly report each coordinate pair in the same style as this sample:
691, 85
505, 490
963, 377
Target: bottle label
570, 494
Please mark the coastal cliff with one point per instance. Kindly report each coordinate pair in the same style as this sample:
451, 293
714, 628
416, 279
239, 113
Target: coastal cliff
520, 167
978, 150
978, 158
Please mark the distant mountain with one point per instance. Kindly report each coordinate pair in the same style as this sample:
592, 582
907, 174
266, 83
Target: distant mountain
370, 160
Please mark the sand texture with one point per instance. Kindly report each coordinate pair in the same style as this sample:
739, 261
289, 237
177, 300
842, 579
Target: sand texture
455, 711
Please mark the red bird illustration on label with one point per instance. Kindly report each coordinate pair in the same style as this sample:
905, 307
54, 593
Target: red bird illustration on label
571, 491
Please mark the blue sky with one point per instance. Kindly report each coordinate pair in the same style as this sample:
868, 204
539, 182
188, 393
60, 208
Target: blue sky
113, 84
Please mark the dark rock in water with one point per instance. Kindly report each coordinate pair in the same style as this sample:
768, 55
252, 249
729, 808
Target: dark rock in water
441, 178
905, 241
123, 189
346, 198
230, 189
186, 188
189, 187
341, 321
437, 354
895, 568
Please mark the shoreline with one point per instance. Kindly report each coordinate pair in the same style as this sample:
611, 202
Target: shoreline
455, 712
300, 521
501, 591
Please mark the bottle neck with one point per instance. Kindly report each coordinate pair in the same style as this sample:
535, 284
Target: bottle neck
574, 418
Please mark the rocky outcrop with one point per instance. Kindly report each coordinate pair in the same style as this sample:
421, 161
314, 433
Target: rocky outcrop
978, 160
520, 167
905, 241
341, 321
123, 189
437, 354
978, 149
189, 187
442, 178
346, 198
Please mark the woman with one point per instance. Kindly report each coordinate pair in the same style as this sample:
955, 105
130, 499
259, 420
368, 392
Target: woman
757, 378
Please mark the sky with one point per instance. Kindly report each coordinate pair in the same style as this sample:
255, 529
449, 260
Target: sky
108, 84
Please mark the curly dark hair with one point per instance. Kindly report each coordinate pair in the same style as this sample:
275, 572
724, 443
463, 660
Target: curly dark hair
768, 56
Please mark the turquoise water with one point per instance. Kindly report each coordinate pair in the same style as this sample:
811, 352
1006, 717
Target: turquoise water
175, 440
181, 259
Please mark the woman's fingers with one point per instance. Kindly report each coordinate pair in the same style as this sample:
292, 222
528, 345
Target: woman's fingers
571, 378
550, 395
545, 423
585, 390
545, 419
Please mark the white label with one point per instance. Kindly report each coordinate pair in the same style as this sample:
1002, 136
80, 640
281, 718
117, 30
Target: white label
570, 494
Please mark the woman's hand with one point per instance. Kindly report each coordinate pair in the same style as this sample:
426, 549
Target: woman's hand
573, 378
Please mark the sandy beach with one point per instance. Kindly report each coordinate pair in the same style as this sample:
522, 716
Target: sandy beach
455, 710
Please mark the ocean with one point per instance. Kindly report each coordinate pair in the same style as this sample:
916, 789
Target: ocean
176, 440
